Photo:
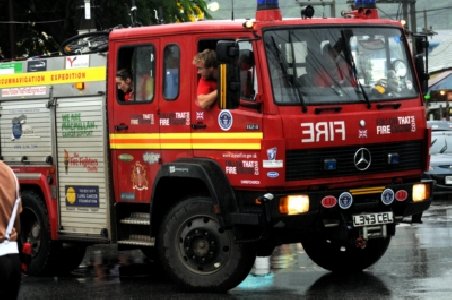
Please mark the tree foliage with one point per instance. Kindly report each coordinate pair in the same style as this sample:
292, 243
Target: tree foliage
39, 26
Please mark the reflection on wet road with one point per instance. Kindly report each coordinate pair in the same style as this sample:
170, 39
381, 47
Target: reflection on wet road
417, 265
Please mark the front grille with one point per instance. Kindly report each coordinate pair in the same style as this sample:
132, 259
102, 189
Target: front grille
309, 164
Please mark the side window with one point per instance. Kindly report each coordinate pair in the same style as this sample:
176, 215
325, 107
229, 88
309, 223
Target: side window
135, 74
171, 69
248, 83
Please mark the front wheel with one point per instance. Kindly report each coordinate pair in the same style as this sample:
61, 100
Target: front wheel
198, 253
335, 257
47, 256
35, 229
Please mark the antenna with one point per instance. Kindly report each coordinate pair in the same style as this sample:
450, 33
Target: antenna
232, 10
133, 14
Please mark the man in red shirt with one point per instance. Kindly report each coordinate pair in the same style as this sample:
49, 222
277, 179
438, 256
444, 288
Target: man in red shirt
334, 70
207, 66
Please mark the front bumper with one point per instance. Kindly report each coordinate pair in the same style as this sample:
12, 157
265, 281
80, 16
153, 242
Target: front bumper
359, 200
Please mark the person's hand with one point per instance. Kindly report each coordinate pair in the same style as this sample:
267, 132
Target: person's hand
13, 235
207, 100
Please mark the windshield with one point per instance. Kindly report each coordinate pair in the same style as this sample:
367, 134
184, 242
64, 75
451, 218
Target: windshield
338, 65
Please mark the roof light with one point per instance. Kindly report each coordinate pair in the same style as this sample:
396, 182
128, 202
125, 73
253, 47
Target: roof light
267, 4
268, 10
365, 3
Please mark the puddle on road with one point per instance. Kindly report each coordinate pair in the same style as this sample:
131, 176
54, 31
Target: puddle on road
105, 262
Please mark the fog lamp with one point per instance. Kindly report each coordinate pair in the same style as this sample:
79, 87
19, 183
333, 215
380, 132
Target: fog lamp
294, 204
421, 192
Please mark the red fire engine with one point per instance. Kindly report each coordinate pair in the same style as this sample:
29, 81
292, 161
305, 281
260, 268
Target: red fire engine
319, 137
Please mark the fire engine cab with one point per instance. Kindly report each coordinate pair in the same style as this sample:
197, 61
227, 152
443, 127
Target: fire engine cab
318, 137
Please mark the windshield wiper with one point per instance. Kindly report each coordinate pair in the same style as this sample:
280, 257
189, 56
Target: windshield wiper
295, 74
351, 61
284, 67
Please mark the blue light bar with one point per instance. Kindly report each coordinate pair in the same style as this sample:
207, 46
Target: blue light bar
267, 4
365, 3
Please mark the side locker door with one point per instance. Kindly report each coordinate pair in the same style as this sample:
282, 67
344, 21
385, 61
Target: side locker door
133, 123
81, 144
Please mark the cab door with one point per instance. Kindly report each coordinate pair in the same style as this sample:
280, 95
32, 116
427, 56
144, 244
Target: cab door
176, 98
133, 123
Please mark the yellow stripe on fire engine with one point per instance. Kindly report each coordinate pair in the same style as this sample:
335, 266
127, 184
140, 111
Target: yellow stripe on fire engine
53, 77
368, 190
208, 140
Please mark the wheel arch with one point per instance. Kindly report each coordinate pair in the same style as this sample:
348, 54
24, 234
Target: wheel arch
198, 177
43, 191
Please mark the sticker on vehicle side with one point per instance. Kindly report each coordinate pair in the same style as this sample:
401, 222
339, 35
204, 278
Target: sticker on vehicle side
272, 174
225, 120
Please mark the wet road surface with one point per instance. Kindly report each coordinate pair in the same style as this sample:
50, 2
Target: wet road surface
417, 265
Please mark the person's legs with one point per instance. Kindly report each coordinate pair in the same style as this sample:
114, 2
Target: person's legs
10, 276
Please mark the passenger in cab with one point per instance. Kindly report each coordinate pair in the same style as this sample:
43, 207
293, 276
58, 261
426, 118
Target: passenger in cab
124, 83
207, 66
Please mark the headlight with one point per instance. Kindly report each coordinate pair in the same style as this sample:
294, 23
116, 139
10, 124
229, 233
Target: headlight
294, 204
421, 192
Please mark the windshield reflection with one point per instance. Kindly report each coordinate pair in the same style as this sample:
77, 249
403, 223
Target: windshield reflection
338, 65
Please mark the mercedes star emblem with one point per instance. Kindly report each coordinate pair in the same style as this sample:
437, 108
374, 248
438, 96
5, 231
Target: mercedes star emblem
362, 159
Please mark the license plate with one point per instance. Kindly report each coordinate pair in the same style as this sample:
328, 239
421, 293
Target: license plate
370, 219
448, 179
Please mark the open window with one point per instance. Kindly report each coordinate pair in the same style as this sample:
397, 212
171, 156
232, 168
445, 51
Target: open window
135, 73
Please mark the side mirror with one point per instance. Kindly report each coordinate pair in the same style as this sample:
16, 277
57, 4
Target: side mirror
229, 74
227, 52
421, 73
420, 52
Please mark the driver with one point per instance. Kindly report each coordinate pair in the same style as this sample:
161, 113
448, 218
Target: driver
334, 71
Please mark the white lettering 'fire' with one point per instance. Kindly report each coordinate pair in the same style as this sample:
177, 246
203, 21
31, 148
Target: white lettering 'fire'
323, 132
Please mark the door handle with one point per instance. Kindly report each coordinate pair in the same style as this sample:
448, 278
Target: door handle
121, 127
198, 126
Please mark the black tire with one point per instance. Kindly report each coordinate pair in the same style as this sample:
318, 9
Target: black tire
35, 229
48, 257
65, 257
198, 253
332, 256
